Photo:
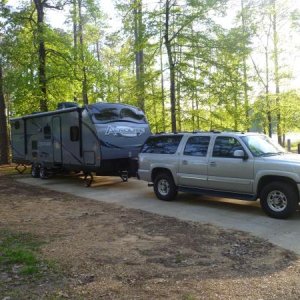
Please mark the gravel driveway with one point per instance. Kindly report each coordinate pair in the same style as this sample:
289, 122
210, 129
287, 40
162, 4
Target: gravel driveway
227, 213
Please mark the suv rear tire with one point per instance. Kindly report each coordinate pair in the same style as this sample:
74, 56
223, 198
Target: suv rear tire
279, 200
164, 187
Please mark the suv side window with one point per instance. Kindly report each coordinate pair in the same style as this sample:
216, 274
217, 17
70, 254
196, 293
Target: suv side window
197, 146
162, 144
225, 146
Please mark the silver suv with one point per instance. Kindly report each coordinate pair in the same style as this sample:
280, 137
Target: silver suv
245, 166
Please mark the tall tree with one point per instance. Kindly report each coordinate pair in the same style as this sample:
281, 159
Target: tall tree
245, 75
276, 71
40, 6
82, 53
178, 19
4, 146
139, 51
3, 123
168, 40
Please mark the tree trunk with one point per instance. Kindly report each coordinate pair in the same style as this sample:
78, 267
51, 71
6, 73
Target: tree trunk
39, 4
75, 28
179, 93
162, 75
154, 107
3, 124
197, 116
119, 83
75, 42
171, 67
139, 52
98, 51
194, 93
269, 115
82, 57
276, 73
245, 76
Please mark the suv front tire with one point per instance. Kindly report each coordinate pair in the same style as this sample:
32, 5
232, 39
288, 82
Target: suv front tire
279, 200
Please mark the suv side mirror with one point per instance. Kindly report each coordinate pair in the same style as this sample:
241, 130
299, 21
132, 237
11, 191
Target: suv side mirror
240, 154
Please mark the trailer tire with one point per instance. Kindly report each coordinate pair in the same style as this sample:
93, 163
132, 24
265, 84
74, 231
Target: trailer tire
44, 173
35, 171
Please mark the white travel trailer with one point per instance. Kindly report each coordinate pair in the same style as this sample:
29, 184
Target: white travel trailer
103, 138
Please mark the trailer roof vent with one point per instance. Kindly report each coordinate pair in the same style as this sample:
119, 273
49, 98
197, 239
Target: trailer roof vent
63, 105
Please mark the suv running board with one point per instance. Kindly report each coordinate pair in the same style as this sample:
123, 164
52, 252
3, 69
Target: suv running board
248, 197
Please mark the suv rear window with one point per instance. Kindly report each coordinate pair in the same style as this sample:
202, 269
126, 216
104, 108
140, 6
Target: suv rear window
162, 144
197, 146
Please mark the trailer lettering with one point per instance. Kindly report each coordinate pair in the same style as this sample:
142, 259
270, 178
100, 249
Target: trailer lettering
124, 131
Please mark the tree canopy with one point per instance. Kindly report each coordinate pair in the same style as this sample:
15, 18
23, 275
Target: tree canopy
190, 64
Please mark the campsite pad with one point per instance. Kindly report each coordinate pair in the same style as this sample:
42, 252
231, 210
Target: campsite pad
97, 250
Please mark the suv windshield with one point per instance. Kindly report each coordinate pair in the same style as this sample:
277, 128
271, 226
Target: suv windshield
261, 145
115, 113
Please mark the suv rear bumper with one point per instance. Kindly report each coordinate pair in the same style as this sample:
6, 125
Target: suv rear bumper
144, 175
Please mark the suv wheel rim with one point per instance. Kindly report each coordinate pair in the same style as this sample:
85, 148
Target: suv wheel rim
277, 201
163, 187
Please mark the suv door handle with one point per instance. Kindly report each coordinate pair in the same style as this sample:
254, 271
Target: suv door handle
212, 164
184, 162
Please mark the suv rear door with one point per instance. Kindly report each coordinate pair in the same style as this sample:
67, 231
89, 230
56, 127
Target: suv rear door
229, 173
194, 161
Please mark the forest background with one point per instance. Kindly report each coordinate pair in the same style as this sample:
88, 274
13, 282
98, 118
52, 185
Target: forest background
189, 64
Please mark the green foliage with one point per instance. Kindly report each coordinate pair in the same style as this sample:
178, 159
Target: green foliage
209, 62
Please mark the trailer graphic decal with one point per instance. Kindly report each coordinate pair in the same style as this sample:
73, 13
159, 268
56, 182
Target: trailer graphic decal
125, 131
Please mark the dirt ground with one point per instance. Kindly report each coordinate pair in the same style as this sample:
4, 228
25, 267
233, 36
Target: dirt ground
103, 251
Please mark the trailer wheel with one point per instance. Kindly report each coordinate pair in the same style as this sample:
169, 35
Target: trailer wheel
35, 171
88, 179
44, 173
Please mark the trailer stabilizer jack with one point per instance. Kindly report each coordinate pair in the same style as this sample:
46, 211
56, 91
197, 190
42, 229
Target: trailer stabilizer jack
88, 179
124, 176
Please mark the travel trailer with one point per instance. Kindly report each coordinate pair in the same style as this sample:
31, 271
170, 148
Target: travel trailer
103, 138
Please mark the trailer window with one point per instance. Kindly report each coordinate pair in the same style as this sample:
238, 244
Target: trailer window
74, 133
116, 113
47, 132
129, 113
107, 114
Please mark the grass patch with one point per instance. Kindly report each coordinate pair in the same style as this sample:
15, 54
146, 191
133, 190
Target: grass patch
18, 253
188, 297
23, 273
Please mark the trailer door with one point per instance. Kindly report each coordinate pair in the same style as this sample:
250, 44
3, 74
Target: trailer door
57, 146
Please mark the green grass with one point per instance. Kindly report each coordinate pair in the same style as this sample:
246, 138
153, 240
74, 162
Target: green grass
23, 270
19, 249
188, 297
